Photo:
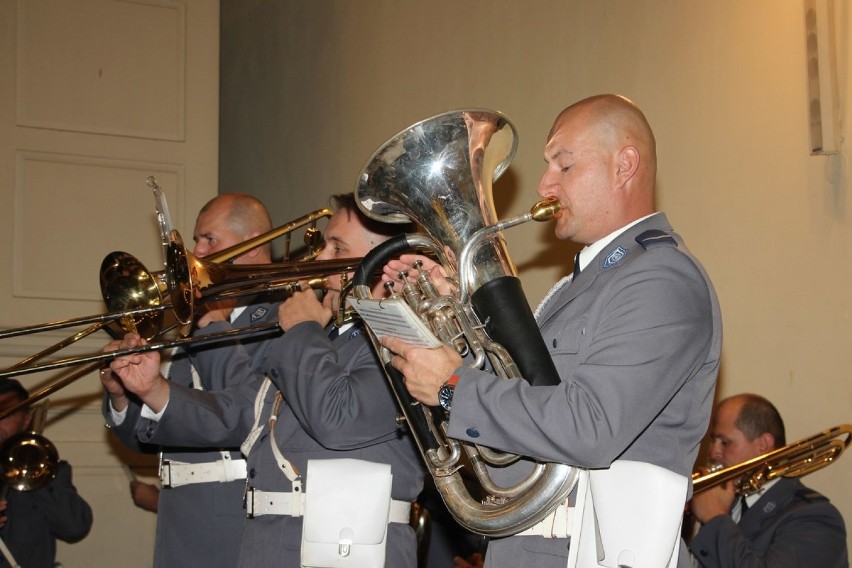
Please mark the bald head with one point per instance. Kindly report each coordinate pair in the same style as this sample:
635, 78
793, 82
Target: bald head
245, 213
616, 122
602, 164
229, 219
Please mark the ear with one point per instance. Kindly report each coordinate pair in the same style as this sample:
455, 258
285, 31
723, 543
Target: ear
252, 253
765, 442
627, 164
256, 250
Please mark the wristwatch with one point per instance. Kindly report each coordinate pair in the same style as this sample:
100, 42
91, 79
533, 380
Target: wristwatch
445, 393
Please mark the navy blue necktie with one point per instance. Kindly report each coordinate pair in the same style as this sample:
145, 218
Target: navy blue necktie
335, 331
576, 266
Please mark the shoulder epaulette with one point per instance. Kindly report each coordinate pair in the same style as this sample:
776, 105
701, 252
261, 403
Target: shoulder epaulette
810, 495
655, 237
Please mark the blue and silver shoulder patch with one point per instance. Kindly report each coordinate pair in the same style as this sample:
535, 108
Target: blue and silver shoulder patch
615, 257
258, 313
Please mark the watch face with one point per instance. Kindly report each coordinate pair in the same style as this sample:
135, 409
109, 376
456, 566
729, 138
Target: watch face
445, 397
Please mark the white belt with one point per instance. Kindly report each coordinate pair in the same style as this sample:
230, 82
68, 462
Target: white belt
557, 524
175, 474
292, 504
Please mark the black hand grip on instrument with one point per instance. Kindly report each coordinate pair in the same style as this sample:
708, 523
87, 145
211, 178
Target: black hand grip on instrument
509, 321
374, 260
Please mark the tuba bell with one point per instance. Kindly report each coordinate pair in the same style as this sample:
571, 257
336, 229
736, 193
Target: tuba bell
439, 173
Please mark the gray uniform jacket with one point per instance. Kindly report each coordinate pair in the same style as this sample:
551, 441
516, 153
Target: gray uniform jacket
337, 404
35, 519
789, 526
199, 524
636, 340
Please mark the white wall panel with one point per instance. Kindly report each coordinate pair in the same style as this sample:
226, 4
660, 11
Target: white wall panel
125, 74
97, 204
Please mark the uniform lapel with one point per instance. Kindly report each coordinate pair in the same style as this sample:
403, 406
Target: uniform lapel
614, 254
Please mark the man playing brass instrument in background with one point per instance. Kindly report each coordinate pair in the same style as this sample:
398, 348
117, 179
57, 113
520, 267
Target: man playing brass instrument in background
200, 517
32, 521
636, 338
784, 524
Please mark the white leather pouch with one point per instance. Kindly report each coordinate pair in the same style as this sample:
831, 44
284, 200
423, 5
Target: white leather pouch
347, 507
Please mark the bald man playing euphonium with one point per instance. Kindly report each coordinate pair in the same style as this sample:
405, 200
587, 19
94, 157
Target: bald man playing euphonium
635, 337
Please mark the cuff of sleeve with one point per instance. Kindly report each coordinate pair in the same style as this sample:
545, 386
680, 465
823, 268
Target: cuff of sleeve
148, 413
117, 416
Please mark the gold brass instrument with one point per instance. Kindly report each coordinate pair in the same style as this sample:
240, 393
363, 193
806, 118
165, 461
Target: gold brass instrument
140, 298
439, 173
134, 296
28, 460
793, 460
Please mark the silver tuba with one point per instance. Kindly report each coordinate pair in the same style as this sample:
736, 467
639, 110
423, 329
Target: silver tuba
439, 173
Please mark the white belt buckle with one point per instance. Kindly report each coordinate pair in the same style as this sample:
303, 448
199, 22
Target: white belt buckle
166, 473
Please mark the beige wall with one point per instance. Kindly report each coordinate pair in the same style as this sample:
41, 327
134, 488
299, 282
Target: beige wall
310, 89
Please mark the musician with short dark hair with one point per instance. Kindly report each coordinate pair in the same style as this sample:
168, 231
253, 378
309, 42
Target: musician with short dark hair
635, 336
199, 510
32, 521
783, 524
320, 395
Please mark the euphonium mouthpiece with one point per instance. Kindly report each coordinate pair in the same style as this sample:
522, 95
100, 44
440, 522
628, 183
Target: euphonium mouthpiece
546, 209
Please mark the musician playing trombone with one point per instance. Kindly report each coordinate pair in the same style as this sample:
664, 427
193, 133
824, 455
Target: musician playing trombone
318, 403
783, 524
635, 336
200, 519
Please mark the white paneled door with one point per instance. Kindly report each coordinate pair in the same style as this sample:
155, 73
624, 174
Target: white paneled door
95, 96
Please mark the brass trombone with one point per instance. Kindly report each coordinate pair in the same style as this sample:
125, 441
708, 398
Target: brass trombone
125, 283
793, 460
28, 460
130, 291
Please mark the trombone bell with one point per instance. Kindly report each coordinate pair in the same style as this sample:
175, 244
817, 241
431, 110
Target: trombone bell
29, 461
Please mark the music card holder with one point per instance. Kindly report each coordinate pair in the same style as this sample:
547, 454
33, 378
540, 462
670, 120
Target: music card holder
395, 318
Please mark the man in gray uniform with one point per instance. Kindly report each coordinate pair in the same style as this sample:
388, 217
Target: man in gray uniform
326, 397
635, 337
200, 517
784, 524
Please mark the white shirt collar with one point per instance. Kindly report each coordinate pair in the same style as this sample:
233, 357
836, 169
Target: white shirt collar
591, 251
236, 312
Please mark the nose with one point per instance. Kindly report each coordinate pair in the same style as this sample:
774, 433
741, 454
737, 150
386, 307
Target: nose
716, 451
545, 186
324, 254
200, 249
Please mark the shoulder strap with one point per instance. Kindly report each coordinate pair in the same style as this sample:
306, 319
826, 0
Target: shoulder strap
655, 237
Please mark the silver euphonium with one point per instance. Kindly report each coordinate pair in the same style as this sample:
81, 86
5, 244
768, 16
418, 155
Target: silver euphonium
439, 173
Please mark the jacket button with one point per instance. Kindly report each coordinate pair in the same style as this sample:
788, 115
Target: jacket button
251, 473
473, 432
554, 342
274, 373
